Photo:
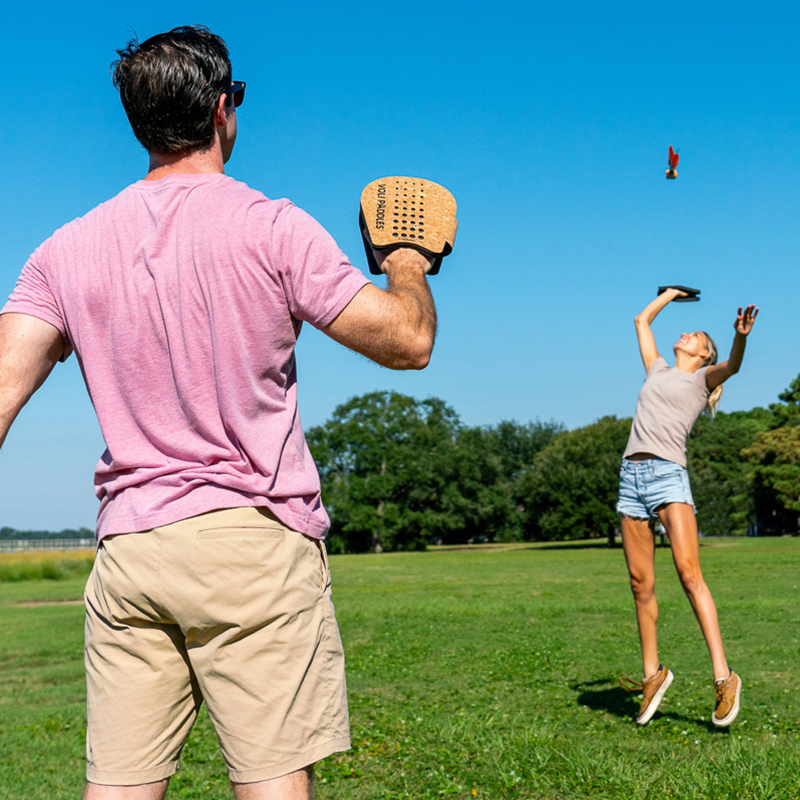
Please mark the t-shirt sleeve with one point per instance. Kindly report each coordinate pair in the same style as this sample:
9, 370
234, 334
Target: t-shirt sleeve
33, 295
700, 377
659, 364
317, 276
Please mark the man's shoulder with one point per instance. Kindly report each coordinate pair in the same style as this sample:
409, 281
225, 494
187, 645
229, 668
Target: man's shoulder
69, 231
211, 194
226, 195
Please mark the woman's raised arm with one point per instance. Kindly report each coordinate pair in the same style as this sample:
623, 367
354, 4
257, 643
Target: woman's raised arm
719, 373
647, 343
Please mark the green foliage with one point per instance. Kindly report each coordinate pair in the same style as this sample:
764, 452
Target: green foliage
45, 567
776, 454
787, 412
398, 472
721, 476
516, 444
384, 461
570, 491
67, 533
488, 461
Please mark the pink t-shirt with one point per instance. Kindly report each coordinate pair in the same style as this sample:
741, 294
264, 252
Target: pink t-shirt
182, 299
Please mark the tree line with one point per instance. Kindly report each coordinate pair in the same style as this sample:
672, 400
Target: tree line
399, 474
7, 533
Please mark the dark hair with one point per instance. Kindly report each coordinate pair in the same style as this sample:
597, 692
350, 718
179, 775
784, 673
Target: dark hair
170, 85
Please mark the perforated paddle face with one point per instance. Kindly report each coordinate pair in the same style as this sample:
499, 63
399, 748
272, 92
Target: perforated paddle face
409, 212
408, 215
401, 210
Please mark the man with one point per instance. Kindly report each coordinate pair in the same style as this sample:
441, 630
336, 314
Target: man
182, 297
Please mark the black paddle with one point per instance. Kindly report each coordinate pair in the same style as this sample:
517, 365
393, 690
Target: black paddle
693, 294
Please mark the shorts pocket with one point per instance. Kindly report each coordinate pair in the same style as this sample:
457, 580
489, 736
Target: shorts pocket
326, 572
243, 532
668, 469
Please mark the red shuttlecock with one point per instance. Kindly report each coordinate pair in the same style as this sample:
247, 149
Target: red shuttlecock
672, 160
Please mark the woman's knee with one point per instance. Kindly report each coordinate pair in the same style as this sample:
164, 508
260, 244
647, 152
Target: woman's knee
643, 586
691, 579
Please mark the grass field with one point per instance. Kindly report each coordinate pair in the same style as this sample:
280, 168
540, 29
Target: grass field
483, 672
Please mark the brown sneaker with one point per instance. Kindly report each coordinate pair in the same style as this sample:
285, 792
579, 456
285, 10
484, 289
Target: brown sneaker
728, 691
653, 690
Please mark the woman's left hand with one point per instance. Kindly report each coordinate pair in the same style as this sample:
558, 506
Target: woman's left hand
744, 321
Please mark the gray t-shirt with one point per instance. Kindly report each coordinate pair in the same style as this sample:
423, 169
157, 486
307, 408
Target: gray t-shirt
669, 404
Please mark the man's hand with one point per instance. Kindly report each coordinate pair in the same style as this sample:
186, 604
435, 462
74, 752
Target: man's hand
409, 212
402, 258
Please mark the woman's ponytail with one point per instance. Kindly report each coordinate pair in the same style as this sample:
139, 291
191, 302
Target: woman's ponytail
713, 399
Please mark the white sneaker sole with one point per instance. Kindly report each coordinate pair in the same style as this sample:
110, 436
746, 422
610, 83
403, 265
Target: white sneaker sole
656, 701
725, 721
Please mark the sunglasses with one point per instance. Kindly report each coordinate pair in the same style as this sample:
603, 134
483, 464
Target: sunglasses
236, 92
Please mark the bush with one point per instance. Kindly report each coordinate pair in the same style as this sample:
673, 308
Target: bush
36, 566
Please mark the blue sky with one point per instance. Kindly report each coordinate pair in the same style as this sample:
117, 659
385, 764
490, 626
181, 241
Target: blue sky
549, 122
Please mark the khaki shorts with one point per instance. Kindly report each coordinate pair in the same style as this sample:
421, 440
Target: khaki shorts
229, 608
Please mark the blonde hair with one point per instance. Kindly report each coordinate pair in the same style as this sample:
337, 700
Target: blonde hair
713, 399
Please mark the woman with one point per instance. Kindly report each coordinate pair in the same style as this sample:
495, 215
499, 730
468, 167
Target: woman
654, 484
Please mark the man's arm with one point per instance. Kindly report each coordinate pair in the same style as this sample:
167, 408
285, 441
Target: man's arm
395, 328
29, 349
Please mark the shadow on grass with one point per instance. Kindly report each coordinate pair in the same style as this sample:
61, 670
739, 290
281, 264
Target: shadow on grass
625, 705
613, 699
600, 544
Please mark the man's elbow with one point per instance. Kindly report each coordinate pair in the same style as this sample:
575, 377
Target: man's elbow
419, 351
415, 354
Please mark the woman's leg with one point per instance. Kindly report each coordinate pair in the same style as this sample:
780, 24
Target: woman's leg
639, 547
679, 521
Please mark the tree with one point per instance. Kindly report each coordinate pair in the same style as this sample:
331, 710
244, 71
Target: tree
787, 412
485, 501
776, 455
488, 460
516, 444
384, 461
570, 491
397, 472
721, 476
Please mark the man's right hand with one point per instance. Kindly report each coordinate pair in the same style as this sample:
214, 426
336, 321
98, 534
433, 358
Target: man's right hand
402, 258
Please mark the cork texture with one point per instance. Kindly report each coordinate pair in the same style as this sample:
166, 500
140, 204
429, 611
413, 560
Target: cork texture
401, 211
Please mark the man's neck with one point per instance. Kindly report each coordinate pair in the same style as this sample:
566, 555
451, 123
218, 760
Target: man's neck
198, 162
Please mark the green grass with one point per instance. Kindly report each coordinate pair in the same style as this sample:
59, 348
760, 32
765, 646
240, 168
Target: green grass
480, 673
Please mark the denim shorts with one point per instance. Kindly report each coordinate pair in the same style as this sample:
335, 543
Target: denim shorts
645, 486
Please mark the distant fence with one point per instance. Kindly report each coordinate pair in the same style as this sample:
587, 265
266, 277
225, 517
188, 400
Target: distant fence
21, 545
